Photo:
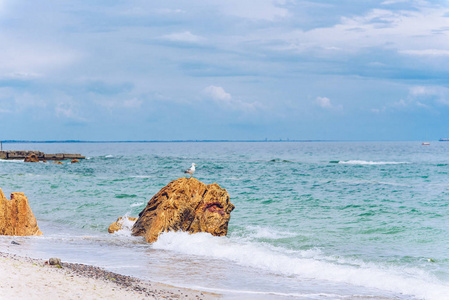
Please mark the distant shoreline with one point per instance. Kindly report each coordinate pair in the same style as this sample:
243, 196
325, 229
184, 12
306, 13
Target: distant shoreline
159, 141
185, 141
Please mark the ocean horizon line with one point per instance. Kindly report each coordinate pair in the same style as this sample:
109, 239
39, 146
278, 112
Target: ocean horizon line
192, 141
159, 141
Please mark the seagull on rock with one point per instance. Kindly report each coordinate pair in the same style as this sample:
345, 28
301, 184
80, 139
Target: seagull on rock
191, 170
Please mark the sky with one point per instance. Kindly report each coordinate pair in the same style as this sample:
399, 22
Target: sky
229, 69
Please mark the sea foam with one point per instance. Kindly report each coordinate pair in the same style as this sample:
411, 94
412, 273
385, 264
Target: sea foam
285, 262
127, 226
12, 160
363, 162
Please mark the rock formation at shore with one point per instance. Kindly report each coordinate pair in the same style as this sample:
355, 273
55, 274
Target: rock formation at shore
31, 158
185, 204
16, 217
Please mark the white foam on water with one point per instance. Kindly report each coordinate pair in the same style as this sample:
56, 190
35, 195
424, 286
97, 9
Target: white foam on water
126, 225
410, 281
12, 160
295, 295
260, 232
137, 204
363, 162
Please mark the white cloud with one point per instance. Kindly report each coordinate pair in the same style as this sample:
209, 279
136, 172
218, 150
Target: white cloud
427, 97
185, 36
167, 11
325, 103
225, 100
64, 110
21, 75
378, 110
429, 94
144, 11
422, 91
409, 32
400, 103
389, 2
217, 93
420, 104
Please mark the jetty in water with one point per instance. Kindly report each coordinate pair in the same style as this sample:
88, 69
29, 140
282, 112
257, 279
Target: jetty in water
14, 154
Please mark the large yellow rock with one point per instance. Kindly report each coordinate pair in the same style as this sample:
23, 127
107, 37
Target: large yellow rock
185, 204
16, 217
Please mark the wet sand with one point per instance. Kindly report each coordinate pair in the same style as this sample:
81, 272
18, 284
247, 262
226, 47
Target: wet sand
28, 278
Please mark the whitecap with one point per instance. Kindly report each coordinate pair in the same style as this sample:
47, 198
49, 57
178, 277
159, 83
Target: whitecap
260, 232
363, 162
293, 295
126, 226
411, 281
12, 160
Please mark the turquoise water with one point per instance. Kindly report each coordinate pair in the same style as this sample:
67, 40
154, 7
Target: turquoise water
312, 220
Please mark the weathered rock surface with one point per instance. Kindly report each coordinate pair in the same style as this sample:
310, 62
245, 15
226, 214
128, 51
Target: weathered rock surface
185, 204
31, 158
118, 225
54, 261
16, 217
74, 161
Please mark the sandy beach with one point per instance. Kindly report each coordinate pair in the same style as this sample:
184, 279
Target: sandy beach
27, 278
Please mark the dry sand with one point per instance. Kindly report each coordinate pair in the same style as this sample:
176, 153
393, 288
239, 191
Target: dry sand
26, 278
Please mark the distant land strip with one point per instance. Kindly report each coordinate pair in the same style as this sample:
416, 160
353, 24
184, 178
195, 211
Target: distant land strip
163, 141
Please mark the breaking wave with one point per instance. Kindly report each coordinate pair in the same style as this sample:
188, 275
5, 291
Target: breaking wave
408, 281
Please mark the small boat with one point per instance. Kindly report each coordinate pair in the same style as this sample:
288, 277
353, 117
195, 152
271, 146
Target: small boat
425, 144
444, 140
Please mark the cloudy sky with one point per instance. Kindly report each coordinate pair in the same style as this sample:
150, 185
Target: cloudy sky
224, 69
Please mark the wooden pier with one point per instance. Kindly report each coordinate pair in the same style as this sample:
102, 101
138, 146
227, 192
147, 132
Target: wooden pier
41, 155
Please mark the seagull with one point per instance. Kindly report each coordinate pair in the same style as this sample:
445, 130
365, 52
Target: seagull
191, 170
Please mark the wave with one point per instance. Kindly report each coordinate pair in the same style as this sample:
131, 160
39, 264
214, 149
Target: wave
278, 160
126, 225
363, 162
12, 160
291, 295
259, 232
121, 196
405, 280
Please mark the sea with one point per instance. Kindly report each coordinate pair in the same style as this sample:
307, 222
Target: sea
312, 220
